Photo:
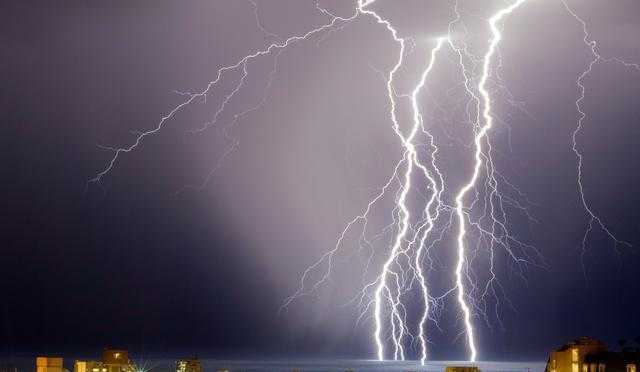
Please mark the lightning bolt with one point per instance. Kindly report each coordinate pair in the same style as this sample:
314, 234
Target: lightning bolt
484, 130
476, 207
411, 158
202, 95
596, 58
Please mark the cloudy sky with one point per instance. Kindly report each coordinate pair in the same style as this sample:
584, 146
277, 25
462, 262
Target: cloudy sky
145, 261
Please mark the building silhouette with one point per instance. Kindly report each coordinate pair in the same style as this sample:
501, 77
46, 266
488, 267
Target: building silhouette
590, 355
113, 360
188, 365
8, 367
49, 364
462, 369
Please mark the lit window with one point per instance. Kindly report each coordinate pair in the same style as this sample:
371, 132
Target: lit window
574, 355
575, 367
585, 368
116, 355
601, 367
631, 368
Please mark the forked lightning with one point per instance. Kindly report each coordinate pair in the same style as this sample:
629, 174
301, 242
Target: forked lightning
475, 209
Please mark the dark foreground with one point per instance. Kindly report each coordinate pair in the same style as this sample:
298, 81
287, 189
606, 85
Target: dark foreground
309, 365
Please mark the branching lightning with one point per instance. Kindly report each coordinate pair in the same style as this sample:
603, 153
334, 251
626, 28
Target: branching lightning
484, 129
582, 115
476, 209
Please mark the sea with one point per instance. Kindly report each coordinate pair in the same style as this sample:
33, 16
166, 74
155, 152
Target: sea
303, 365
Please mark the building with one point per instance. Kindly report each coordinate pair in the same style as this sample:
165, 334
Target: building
112, 361
589, 355
8, 367
188, 365
88, 366
462, 369
117, 361
627, 360
49, 364
570, 357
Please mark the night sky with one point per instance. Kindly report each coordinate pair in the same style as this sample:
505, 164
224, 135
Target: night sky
142, 262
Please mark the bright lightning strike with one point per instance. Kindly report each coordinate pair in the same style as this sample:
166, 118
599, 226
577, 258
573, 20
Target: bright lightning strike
412, 235
411, 160
390, 295
484, 130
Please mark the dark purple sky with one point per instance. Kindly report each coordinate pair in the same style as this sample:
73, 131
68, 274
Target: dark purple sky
206, 271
